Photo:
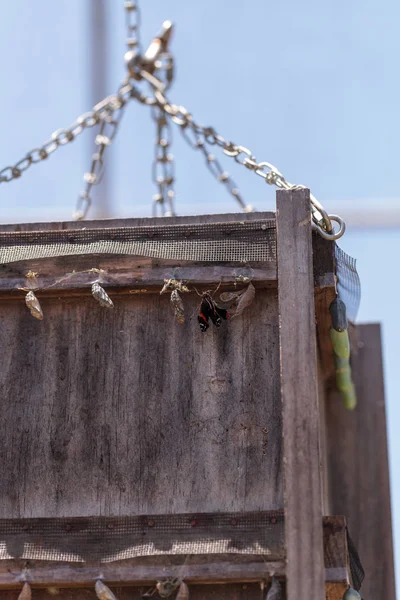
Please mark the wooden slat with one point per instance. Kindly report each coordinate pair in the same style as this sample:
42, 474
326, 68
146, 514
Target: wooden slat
194, 569
70, 275
234, 591
204, 569
124, 411
301, 452
138, 222
358, 461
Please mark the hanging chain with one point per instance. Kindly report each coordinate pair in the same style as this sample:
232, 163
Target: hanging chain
163, 165
101, 111
198, 142
108, 130
132, 21
158, 60
322, 222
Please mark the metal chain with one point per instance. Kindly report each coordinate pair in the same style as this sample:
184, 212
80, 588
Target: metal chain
163, 165
108, 130
322, 222
198, 136
132, 21
197, 141
99, 113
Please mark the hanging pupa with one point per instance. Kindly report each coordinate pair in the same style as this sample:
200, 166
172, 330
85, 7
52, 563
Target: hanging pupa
183, 592
34, 306
275, 591
101, 296
166, 587
26, 592
351, 594
242, 299
177, 305
103, 592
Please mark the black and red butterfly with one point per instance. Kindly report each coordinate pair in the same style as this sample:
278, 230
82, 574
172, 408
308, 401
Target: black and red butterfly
209, 310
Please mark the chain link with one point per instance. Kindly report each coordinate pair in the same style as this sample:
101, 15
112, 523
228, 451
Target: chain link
198, 142
322, 222
156, 68
163, 166
99, 113
107, 132
132, 21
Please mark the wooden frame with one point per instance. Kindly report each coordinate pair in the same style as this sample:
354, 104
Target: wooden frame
301, 447
303, 281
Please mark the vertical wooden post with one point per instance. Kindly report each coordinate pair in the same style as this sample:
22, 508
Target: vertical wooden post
301, 451
359, 466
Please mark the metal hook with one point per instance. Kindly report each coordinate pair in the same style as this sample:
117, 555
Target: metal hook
332, 235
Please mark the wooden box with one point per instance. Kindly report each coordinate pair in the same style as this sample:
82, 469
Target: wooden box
124, 412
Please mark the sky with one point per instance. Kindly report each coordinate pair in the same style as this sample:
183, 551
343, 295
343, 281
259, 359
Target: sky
308, 86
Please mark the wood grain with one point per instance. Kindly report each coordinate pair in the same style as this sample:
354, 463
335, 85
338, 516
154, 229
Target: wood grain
301, 451
215, 568
71, 275
193, 569
124, 411
234, 591
137, 222
358, 466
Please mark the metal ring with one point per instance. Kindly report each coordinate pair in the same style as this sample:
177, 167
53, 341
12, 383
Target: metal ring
333, 235
325, 216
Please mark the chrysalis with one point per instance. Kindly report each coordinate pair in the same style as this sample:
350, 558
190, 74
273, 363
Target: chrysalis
167, 587
34, 306
26, 592
351, 594
275, 591
173, 284
103, 592
177, 304
242, 299
101, 296
183, 592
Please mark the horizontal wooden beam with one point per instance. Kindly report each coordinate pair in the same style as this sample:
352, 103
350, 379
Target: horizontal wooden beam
136, 222
210, 572
74, 275
205, 572
145, 570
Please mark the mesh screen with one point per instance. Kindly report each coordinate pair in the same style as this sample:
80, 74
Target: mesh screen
356, 568
245, 241
348, 282
111, 539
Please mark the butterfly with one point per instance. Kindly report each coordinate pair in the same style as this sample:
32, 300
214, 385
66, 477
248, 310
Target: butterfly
209, 310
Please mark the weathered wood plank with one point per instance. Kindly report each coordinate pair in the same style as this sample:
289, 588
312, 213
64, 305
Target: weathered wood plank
137, 222
358, 461
205, 569
124, 411
301, 451
66, 275
238, 591
325, 498
197, 569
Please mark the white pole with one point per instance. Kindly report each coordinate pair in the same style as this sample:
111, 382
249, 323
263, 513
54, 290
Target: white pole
98, 68
381, 214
